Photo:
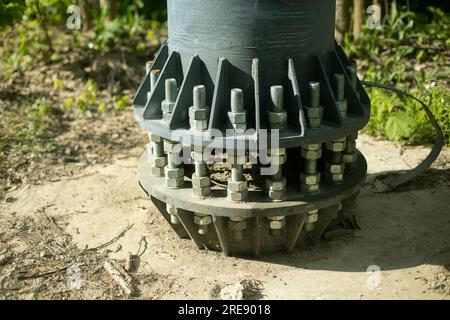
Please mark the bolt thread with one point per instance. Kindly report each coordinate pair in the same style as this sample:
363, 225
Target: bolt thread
237, 172
339, 86
199, 97
154, 74
171, 90
276, 93
237, 100
314, 94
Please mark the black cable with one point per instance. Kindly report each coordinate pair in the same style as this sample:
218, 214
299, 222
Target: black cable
438, 144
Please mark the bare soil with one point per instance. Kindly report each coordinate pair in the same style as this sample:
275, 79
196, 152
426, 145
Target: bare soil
81, 220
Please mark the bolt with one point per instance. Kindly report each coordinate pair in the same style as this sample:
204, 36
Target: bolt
339, 86
353, 77
310, 166
311, 218
314, 94
276, 94
171, 90
237, 100
148, 66
199, 97
154, 75
237, 172
201, 168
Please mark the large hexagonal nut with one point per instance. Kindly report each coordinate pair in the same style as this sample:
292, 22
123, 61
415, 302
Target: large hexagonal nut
276, 195
350, 157
167, 116
237, 225
311, 154
239, 127
334, 178
314, 123
199, 125
159, 162
198, 114
237, 186
237, 196
157, 171
175, 183
314, 112
167, 106
342, 105
173, 211
172, 146
277, 117
312, 189
334, 168
276, 185
277, 152
237, 117
155, 138
173, 173
277, 224
336, 146
310, 179
200, 182
201, 192
312, 217
311, 146
202, 220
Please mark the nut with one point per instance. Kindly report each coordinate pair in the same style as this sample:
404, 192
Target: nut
237, 186
310, 179
175, 183
167, 106
310, 189
237, 225
314, 112
172, 146
237, 117
158, 162
277, 224
311, 146
239, 127
334, 168
200, 182
350, 157
311, 154
276, 195
276, 185
237, 196
202, 220
155, 138
334, 178
201, 192
171, 209
173, 173
277, 117
312, 217
198, 124
157, 171
277, 152
342, 106
314, 123
198, 114
336, 146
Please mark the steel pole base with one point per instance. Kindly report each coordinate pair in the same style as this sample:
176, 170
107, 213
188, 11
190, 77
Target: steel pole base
258, 236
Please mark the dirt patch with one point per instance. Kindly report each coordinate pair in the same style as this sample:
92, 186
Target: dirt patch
404, 234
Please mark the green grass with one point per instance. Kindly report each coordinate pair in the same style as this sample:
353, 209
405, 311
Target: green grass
411, 52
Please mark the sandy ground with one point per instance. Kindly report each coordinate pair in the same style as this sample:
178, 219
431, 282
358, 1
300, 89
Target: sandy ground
406, 234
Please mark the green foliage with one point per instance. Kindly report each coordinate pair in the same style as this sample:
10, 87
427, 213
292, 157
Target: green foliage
10, 12
411, 53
